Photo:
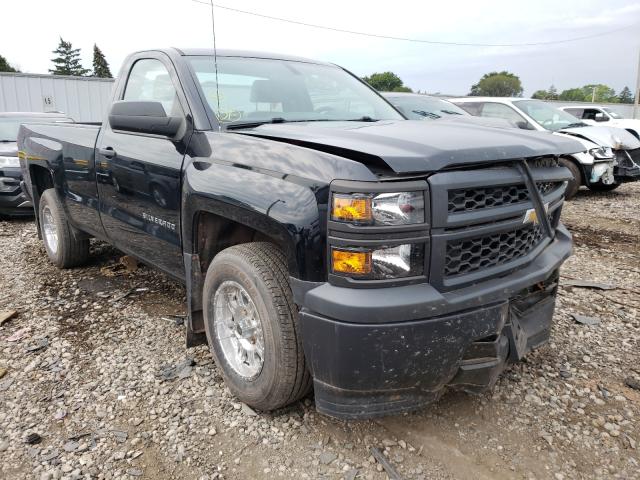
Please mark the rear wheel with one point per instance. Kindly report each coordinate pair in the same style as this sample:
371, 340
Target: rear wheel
601, 187
65, 246
573, 185
251, 324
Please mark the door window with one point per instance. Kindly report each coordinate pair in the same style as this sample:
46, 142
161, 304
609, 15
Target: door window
498, 110
149, 80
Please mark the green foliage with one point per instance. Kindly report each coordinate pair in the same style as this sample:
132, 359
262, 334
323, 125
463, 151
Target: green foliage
599, 93
386, 82
551, 94
497, 84
573, 95
625, 96
100, 64
5, 67
67, 61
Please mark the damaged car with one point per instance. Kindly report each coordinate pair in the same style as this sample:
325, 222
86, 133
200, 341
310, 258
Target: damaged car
610, 156
596, 115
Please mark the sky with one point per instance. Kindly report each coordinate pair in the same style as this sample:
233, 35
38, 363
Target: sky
31, 30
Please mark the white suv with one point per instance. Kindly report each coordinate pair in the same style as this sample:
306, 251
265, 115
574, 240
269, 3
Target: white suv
597, 115
605, 147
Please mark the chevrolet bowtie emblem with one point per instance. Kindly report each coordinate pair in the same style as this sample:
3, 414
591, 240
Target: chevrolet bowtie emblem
531, 216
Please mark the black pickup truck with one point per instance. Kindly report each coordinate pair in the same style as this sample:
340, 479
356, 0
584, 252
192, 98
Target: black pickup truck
323, 238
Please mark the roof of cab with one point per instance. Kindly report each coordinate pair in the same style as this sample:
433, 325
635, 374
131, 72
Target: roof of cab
245, 53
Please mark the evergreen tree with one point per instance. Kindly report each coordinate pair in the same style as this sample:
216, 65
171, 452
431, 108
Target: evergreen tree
625, 96
552, 93
67, 61
5, 67
100, 64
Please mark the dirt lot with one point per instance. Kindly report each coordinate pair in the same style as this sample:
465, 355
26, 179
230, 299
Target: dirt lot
98, 370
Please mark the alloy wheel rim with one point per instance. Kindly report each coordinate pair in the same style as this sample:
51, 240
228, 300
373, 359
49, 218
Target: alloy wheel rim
49, 229
238, 329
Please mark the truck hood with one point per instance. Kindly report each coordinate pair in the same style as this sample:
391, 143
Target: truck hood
408, 146
8, 149
615, 138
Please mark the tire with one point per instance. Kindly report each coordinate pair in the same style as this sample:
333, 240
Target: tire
260, 269
601, 187
573, 185
65, 246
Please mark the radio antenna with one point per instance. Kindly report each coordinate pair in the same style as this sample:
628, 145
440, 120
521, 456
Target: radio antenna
215, 59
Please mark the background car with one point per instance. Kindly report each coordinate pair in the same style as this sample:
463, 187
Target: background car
597, 115
417, 106
606, 148
13, 201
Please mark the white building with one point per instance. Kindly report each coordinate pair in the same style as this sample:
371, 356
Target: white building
85, 99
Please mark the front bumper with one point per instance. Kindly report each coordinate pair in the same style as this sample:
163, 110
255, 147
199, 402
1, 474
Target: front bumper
13, 200
384, 351
628, 168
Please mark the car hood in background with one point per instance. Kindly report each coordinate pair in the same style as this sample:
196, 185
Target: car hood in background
415, 145
483, 121
8, 149
613, 137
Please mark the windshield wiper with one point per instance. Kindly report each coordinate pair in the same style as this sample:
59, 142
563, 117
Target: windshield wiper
576, 125
365, 118
424, 113
7, 141
257, 123
451, 112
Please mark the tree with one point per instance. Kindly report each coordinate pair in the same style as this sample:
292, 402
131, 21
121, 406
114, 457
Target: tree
100, 64
498, 84
386, 82
67, 61
573, 95
599, 93
5, 66
550, 94
625, 96
539, 95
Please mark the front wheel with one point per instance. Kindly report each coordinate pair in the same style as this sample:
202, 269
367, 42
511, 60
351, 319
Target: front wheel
251, 324
65, 246
601, 187
573, 185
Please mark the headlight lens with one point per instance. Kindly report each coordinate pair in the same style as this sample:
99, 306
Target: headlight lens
9, 162
380, 264
394, 208
602, 153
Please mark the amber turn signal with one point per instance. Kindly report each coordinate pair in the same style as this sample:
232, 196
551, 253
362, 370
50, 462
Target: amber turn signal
350, 208
351, 262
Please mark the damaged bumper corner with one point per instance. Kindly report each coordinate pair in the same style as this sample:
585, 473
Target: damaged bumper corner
374, 352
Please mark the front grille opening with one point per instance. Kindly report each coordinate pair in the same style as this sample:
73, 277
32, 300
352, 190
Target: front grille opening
471, 199
473, 254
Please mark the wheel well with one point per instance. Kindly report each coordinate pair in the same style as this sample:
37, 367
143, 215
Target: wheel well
215, 233
41, 180
578, 166
634, 133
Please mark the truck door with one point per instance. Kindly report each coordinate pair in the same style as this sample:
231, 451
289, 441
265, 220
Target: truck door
141, 173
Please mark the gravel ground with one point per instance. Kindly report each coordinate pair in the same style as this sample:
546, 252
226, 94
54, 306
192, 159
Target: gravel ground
96, 382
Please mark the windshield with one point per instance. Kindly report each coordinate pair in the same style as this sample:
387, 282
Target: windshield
9, 126
546, 116
612, 114
420, 108
256, 89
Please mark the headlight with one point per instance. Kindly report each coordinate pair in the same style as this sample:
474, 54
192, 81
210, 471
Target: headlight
9, 162
380, 264
602, 153
395, 208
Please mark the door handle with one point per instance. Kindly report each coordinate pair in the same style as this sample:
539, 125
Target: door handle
107, 152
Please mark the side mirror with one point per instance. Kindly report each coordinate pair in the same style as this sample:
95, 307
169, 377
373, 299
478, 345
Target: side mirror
143, 117
525, 125
601, 117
